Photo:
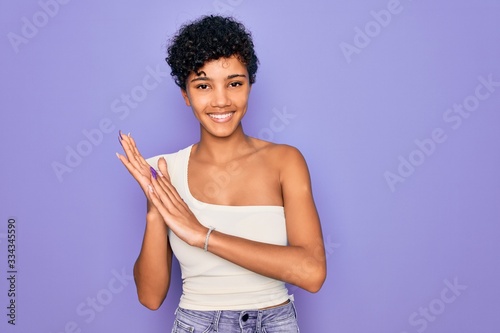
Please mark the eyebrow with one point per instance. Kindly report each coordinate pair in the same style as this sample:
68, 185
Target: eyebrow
205, 78
232, 76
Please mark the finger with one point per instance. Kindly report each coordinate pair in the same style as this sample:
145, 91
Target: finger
126, 162
130, 166
157, 202
143, 180
134, 147
158, 176
128, 149
167, 186
138, 156
173, 196
120, 137
165, 195
164, 178
133, 153
161, 188
163, 167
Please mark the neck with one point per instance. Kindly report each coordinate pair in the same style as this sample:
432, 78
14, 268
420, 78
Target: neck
222, 150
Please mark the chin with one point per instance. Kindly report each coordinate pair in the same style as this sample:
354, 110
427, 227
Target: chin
222, 133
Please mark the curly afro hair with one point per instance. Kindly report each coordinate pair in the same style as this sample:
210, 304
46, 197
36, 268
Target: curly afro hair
210, 38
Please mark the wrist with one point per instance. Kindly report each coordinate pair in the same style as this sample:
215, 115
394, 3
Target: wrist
154, 218
206, 240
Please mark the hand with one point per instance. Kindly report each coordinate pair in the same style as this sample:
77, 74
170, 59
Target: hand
162, 194
134, 162
175, 212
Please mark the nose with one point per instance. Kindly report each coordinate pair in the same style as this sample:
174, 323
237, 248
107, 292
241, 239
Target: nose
220, 98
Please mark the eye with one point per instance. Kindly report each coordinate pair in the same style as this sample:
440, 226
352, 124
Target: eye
202, 86
236, 84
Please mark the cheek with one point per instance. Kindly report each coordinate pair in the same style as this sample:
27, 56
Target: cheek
197, 102
241, 97
199, 106
241, 101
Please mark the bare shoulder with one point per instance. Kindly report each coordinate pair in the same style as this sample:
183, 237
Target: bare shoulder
287, 159
287, 153
292, 164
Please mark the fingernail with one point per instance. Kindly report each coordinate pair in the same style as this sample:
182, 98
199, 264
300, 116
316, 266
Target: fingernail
160, 174
150, 188
120, 135
153, 172
117, 155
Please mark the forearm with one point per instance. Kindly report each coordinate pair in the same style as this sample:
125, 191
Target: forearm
297, 265
152, 267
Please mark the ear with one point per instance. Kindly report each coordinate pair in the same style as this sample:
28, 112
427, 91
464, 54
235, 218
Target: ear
186, 97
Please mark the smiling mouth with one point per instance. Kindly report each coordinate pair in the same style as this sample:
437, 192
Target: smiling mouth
221, 116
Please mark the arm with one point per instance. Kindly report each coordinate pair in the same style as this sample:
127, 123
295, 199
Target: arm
301, 263
153, 266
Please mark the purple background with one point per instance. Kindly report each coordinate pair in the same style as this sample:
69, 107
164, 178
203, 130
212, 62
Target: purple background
418, 253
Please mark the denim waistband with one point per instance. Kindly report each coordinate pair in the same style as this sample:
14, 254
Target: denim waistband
222, 319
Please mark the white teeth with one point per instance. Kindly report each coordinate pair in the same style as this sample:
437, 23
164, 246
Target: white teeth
220, 116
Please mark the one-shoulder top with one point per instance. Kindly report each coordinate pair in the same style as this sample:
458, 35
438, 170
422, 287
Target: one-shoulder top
209, 281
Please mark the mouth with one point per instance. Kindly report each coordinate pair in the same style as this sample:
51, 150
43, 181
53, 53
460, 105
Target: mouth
221, 117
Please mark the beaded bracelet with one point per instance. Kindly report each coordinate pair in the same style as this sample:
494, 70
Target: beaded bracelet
207, 237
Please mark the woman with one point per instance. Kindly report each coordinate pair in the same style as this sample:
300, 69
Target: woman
220, 204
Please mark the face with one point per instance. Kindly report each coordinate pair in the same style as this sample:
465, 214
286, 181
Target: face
218, 95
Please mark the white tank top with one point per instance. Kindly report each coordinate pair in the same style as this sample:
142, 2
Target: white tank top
213, 283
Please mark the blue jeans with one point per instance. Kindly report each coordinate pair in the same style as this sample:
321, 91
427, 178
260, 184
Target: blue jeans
280, 319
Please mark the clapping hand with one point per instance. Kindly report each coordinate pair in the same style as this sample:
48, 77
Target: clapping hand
162, 194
